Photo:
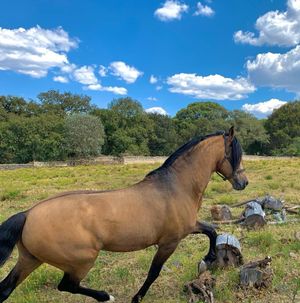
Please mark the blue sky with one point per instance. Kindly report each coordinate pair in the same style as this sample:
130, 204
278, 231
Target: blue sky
241, 54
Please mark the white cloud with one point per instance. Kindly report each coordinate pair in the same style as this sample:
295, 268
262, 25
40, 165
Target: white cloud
152, 99
35, 50
204, 10
97, 86
275, 28
156, 110
158, 87
171, 10
61, 79
153, 79
276, 70
115, 89
263, 109
103, 71
214, 87
68, 68
124, 71
85, 75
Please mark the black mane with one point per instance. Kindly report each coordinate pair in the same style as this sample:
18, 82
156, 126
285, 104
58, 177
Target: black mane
181, 150
236, 153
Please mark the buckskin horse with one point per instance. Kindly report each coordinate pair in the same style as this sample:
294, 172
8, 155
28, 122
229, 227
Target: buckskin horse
68, 230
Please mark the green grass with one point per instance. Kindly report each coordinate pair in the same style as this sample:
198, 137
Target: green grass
123, 273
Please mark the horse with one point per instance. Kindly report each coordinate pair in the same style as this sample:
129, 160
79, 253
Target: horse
68, 230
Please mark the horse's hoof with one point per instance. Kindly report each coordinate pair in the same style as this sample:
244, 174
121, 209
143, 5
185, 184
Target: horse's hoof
202, 267
111, 299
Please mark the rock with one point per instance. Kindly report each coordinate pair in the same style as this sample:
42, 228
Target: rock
293, 255
270, 202
202, 267
221, 213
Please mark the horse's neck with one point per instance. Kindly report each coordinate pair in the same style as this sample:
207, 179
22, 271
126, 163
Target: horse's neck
195, 169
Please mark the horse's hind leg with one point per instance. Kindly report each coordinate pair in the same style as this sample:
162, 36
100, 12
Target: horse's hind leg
71, 283
26, 264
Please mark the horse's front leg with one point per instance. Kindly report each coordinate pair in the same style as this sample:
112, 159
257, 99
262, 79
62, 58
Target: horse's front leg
161, 256
208, 230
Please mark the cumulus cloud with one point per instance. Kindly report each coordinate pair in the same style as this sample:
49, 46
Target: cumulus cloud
35, 50
263, 109
103, 71
276, 70
124, 71
68, 68
275, 28
61, 79
214, 87
115, 89
153, 79
171, 10
85, 75
96, 86
156, 110
204, 10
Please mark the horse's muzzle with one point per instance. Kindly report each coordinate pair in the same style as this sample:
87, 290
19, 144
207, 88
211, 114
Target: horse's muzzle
240, 184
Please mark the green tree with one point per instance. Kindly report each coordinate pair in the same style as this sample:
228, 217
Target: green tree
250, 131
283, 126
12, 105
200, 118
293, 149
24, 139
127, 127
84, 136
58, 103
164, 138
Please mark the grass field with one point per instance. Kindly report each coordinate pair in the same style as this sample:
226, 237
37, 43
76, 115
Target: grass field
123, 273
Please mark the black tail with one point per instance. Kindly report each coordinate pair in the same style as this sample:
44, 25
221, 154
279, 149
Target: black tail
10, 233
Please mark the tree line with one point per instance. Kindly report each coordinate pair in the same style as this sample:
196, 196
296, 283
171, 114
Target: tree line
60, 126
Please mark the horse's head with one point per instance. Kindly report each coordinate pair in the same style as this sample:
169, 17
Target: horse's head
230, 167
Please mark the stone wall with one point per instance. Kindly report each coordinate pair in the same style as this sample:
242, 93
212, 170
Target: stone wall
106, 160
142, 159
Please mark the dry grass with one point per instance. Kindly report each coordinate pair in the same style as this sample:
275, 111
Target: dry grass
123, 273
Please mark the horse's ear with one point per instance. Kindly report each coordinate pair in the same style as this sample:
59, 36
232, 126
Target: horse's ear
231, 134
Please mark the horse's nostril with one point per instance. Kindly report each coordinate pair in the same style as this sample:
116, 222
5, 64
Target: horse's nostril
246, 182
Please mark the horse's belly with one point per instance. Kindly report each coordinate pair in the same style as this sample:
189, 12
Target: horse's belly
128, 244
129, 237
